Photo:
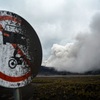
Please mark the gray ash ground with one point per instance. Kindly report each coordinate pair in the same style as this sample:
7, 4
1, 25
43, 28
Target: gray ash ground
8, 94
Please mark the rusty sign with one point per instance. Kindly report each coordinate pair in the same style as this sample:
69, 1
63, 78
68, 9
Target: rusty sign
20, 51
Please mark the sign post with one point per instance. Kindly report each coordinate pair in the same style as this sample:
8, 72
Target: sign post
20, 51
17, 95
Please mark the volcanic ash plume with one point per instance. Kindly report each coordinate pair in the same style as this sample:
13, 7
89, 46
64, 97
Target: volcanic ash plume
80, 56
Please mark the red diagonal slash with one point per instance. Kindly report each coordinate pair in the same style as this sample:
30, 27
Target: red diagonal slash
11, 78
20, 78
22, 54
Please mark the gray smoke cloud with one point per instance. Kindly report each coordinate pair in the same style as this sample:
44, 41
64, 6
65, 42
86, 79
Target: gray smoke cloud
82, 55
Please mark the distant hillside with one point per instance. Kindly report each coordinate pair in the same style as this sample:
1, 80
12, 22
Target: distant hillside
95, 72
51, 71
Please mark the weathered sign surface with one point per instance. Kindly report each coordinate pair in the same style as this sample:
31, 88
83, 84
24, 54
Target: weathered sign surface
20, 51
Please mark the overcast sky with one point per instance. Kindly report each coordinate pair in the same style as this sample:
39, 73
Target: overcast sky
55, 21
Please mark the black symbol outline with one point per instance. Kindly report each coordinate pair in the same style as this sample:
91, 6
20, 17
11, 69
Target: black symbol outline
14, 38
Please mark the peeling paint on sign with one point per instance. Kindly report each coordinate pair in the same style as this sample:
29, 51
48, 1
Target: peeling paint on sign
20, 51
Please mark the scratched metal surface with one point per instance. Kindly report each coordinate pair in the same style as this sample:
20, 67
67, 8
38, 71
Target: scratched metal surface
20, 51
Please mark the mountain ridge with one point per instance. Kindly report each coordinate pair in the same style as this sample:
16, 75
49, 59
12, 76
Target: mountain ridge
52, 71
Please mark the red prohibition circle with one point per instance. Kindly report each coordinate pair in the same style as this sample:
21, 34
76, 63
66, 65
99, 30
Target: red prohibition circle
24, 51
14, 79
11, 78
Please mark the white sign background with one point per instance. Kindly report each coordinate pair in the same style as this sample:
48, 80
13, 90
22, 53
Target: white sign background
18, 60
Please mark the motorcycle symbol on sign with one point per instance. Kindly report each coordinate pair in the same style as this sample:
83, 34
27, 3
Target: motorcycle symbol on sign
14, 38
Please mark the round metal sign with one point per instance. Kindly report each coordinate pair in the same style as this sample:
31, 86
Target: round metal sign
20, 51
